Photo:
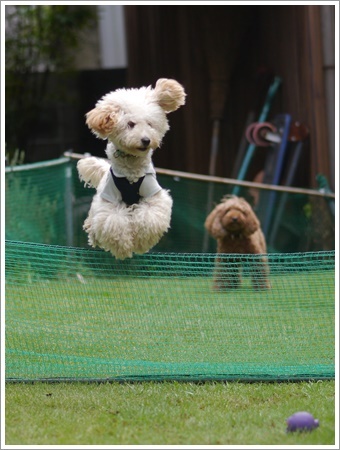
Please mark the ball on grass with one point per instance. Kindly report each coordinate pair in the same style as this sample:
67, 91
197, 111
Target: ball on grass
301, 421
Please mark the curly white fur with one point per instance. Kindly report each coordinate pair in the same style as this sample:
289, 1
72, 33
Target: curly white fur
134, 122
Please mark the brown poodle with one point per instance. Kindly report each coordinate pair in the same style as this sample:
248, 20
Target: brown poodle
235, 226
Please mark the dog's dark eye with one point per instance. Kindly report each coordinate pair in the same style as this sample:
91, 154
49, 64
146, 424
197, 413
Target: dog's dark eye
131, 124
150, 124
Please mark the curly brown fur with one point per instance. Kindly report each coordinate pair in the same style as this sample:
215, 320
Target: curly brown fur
235, 226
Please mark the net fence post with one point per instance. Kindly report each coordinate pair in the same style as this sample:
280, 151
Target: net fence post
68, 198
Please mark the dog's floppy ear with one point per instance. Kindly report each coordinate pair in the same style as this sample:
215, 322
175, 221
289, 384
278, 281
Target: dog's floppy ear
253, 223
213, 222
170, 95
101, 121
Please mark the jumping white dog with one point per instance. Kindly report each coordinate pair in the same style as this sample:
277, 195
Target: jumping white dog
130, 211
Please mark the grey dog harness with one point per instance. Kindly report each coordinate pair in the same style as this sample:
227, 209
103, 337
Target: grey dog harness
119, 188
129, 191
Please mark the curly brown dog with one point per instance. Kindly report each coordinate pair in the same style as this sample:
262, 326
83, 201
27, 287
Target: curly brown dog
235, 226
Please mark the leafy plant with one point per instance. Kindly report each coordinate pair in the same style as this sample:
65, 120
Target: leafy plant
39, 41
24, 221
16, 157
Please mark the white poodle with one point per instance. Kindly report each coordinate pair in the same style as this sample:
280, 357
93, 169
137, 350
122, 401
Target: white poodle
130, 211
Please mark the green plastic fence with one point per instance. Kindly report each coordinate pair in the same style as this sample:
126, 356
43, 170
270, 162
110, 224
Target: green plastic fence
77, 314
46, 203
38, 202
74, 313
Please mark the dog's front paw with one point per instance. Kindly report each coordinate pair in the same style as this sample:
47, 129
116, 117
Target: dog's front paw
91, 170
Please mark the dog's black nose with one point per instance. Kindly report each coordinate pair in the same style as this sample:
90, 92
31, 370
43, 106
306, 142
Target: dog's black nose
145, 142
234, 219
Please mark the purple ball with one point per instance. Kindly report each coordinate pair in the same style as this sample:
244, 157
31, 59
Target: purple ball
302, 421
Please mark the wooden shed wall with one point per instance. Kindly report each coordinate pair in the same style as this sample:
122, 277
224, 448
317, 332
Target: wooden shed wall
220, 54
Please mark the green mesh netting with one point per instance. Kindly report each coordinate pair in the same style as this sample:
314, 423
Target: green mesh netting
37, 202
48, 204
79, 314
73, 313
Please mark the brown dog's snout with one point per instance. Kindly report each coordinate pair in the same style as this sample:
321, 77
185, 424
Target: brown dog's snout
231, 217
232, 221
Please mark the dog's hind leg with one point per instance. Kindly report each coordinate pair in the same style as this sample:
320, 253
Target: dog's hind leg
151, 219
116, 235
260, 274
109, 228
227, 274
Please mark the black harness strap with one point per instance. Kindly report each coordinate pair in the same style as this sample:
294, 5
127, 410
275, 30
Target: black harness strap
129, 191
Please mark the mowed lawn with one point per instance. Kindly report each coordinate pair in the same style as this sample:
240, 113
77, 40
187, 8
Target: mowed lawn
168, 413
82, 327
107, 328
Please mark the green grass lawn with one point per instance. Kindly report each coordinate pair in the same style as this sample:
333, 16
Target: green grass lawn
85, 326
168, 413
170, 327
